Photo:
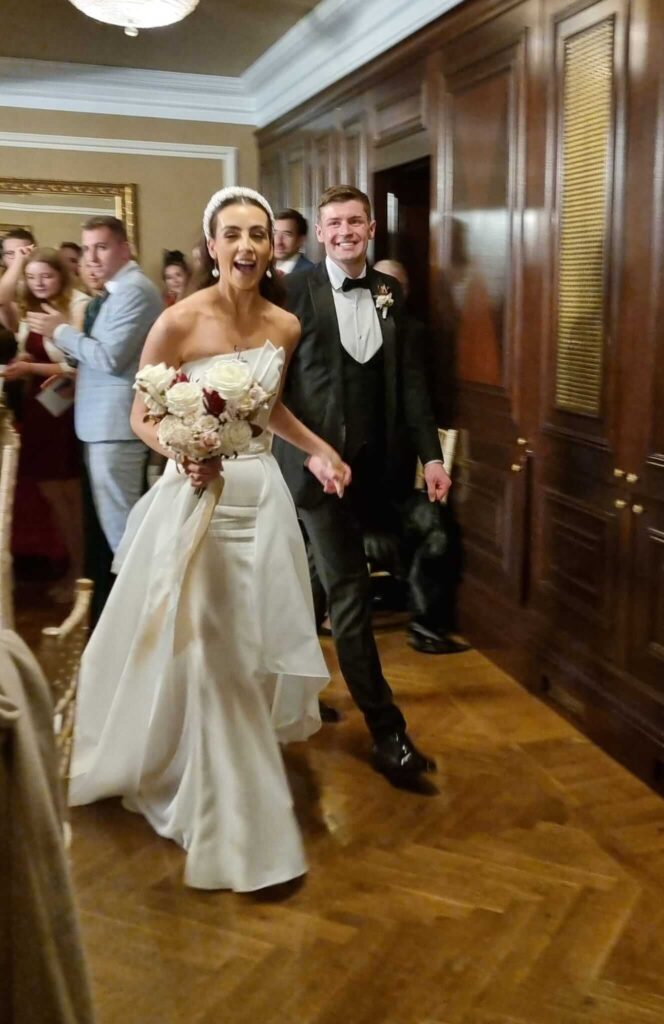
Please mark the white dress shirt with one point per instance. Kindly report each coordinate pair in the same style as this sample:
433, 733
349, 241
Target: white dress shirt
111, 285
359, 328
287, 266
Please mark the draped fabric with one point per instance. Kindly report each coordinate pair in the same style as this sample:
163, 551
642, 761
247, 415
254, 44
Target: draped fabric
205, 657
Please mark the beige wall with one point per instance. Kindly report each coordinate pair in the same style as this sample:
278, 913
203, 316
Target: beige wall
171, 191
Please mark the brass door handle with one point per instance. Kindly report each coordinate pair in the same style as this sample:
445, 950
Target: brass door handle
516, 467
638, 510
618, 472
631, 478
620, 503
522, 442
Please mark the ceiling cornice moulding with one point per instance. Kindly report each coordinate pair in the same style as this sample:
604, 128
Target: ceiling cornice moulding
333, 40
95, 89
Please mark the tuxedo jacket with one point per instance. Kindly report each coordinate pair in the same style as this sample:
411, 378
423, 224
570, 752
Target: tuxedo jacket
313, 389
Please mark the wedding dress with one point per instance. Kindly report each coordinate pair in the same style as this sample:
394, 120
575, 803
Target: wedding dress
205, 658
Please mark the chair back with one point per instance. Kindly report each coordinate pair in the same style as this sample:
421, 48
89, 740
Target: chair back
61, 651
10, 446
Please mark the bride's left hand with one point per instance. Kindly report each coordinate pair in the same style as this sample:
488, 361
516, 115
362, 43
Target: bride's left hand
331, 471
202, 473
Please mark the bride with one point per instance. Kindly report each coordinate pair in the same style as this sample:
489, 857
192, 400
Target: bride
206, 656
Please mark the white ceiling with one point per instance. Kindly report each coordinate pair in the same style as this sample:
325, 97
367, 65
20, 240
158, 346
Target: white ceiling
221, 37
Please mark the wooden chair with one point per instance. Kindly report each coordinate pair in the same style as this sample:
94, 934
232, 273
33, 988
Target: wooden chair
61, 650
10, 445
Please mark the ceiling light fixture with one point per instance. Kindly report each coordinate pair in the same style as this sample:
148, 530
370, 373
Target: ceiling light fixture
131, 15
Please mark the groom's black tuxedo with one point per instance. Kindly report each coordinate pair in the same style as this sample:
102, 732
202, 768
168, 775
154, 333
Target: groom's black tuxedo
314, 389
370, 413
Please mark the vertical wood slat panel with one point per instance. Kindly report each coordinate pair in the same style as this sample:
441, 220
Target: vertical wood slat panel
587, 120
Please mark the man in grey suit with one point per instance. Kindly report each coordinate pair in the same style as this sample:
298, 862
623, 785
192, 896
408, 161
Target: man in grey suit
107, 353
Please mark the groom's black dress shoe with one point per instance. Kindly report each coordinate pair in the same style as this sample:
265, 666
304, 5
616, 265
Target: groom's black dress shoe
427, 642
397, 757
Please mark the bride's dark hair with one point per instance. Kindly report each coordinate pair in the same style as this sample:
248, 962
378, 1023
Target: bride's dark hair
270, 286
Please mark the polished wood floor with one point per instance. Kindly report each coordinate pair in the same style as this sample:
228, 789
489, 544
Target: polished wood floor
525, 887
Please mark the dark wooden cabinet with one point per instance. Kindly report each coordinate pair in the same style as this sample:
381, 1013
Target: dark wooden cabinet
543, 124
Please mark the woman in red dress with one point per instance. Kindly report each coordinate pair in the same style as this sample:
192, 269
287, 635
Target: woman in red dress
49, 449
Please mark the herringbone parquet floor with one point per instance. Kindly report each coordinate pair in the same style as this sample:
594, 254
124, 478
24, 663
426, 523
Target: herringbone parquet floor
524, 888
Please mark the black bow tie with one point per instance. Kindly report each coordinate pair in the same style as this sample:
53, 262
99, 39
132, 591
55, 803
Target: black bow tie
355, 282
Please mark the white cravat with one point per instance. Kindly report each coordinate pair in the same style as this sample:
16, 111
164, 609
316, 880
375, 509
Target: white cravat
359, 328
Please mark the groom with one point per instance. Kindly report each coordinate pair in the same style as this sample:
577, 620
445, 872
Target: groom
357, 383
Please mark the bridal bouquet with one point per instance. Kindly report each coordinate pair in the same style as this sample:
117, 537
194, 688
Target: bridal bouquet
202, 420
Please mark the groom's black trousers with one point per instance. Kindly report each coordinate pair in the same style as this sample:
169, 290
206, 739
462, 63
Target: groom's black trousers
334, 531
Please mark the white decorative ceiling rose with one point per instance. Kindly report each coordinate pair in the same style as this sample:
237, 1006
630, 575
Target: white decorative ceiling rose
131, 15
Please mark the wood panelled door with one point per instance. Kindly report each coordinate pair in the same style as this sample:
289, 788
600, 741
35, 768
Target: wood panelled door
482, 149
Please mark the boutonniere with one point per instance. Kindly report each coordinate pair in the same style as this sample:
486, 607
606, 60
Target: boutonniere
383, 299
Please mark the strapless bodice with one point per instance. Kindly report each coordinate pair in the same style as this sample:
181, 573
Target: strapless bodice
266, 363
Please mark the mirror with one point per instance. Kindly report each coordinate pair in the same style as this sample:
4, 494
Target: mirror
54, 210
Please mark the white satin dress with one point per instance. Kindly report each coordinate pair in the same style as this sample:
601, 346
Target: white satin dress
205, 658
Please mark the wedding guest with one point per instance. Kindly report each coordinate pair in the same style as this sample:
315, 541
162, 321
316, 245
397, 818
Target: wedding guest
16, 247
71, 253
49, 450
290, 235
176, 275
198, 258
89, 280
355, 382
206, 656
430, 553
106, 351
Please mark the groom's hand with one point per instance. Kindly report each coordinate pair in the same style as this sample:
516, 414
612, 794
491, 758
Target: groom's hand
437, 481
332, 473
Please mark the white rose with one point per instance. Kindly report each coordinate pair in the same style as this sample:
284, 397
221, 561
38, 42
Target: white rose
230, 377
153, 381
173, 434
255, 397
184, 399
235, 437
206, 439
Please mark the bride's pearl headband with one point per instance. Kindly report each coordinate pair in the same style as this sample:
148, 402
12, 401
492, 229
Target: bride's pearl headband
234, 192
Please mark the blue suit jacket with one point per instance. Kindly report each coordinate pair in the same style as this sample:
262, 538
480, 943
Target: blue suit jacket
302, 264
107, 360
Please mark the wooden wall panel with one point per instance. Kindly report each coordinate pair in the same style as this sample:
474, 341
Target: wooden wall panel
544, 123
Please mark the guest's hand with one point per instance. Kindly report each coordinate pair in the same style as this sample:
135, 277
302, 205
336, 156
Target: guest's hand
17, 370
45, 323
331, 472
23, 255
202, 473
437, 481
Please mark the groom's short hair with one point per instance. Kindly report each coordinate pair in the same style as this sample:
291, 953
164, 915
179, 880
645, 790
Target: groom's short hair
343, 194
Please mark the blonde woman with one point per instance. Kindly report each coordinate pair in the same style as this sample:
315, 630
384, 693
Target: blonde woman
49, 449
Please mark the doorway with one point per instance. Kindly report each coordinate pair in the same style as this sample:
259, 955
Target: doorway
401, 202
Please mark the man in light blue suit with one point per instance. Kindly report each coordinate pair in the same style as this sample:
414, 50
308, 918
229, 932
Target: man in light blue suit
107, 353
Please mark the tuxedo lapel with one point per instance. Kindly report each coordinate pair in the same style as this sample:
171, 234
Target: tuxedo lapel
388, 331
327, 334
